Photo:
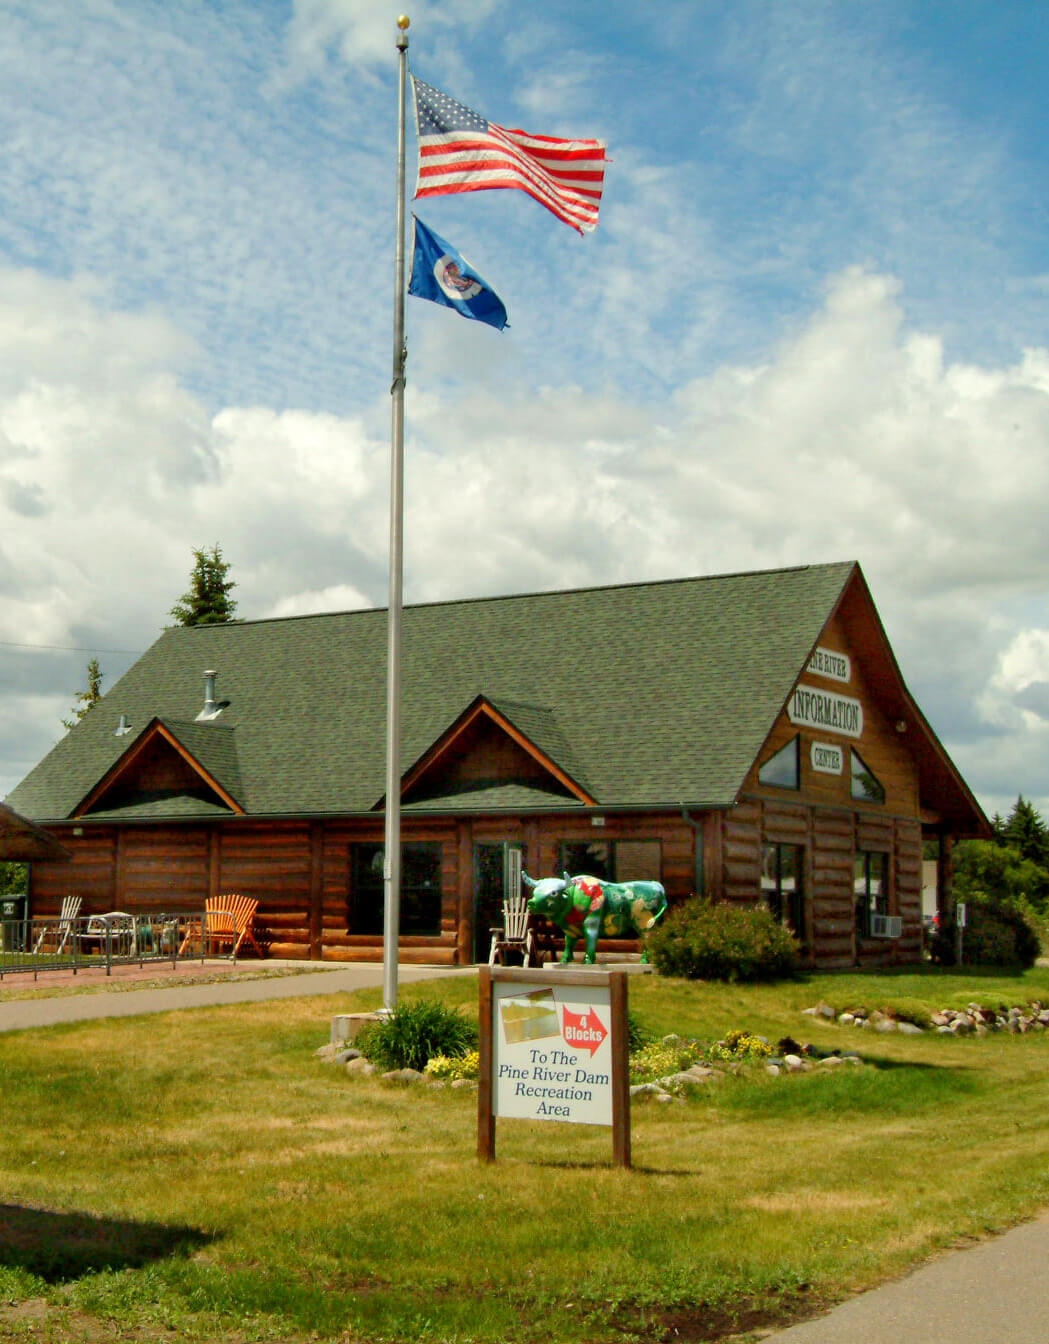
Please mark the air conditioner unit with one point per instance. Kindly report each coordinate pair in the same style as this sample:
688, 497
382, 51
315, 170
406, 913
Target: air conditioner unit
886, 926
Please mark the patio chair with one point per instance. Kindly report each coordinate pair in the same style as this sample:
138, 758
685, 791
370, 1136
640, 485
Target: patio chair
516, 933
228, 920
62, 929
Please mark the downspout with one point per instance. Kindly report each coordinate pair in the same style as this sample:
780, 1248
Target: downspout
697, 830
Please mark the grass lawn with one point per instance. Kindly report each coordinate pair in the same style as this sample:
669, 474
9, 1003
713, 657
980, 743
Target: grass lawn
201, 1172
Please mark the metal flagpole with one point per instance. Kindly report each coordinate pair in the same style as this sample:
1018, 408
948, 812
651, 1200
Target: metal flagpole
392, 843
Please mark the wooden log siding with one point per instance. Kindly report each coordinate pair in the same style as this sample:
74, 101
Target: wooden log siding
272, 864
91, 874
908, 882
833, 911
162, 869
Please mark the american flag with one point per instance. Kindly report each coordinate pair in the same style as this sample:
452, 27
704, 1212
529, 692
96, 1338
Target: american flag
460, 151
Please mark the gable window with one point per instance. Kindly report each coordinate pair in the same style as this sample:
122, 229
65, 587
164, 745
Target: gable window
612, 860
782, 770
783, 885
420, 889
870, 888
866, 787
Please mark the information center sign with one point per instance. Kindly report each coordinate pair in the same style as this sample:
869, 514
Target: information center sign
554, 1047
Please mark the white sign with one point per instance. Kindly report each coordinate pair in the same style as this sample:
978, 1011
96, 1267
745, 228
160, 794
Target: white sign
834, 713
830, 663
827, 758
552, 1053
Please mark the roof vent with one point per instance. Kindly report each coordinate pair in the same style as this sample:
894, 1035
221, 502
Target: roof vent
123, 727
212, 707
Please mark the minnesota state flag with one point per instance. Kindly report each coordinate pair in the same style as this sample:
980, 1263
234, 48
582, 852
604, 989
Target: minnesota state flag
441, 275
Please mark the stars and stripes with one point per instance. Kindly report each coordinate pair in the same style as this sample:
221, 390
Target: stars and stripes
459, 150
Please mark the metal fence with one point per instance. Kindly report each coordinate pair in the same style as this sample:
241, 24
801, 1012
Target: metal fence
49, 944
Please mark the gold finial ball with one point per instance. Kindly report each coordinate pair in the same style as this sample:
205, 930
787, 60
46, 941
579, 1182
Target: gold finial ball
404, 21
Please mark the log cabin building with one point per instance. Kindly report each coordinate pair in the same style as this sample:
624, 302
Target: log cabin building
748, 737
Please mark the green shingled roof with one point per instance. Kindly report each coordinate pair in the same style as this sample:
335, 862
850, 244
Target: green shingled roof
648, 694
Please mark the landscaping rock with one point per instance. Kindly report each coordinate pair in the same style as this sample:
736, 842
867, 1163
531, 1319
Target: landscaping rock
470, 1084
404, 1076
825, 1010
688, 1079
794, 1063
773, 1069
344, 1056
360, 1066
909, 1029
886, 1024
647, 1090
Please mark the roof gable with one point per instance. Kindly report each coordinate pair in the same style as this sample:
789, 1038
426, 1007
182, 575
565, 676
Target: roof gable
489, 747
163, 772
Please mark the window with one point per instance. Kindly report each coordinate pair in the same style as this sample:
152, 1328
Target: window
870, 888
612, 860
782, 769
865, 785
783, 885
420, 889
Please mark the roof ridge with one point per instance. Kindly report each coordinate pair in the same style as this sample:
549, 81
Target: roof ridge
636, 584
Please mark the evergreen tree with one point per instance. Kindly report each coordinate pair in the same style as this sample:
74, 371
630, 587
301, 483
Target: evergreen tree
1026, 831
14, 878
208, 601
91, 696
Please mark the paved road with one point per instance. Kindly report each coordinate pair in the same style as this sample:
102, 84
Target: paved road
994, 1293
19, 1014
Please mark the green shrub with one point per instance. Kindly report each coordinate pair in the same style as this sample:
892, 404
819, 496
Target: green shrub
704, 941
414, 1033
638, 1035
995, 935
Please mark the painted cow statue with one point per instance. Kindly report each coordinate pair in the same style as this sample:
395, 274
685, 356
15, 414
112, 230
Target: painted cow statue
591, 908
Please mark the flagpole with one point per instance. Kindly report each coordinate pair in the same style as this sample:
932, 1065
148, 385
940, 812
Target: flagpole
392, 840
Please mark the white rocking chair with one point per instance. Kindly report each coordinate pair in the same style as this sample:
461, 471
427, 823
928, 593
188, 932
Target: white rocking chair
57, 935
516, 934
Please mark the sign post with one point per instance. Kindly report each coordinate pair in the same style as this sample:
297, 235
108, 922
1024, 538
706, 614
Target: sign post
554, 1046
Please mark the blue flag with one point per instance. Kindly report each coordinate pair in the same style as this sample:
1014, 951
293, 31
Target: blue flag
440, 274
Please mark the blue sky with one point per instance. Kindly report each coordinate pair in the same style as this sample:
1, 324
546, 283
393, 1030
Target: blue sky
811, 325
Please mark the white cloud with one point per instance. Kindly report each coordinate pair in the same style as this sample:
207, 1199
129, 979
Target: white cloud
363, 32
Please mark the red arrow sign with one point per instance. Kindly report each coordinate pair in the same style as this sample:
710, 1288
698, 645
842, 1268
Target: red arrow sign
584, 1031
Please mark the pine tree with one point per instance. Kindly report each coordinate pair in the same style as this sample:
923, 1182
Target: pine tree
1025, 830
85, 699
208, 601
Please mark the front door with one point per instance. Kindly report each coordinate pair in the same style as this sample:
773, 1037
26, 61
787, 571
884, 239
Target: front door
489, 869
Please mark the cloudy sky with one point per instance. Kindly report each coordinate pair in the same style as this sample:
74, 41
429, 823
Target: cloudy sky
810, 327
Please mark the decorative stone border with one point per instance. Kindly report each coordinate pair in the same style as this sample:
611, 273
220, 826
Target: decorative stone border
672, 1087
973, 1020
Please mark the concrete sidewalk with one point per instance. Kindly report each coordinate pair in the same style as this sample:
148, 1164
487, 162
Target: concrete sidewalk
994, 1293
21, 1014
